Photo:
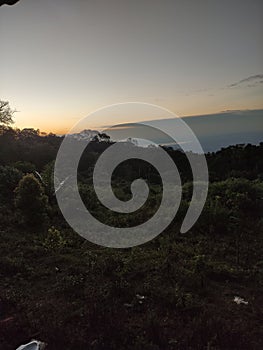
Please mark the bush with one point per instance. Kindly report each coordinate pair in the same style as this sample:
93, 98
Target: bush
31, 201
54, 240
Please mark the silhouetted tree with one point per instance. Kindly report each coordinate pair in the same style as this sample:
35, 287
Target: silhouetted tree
31, 200
6, 113
24, 167
9, 178
104, 137
8, 2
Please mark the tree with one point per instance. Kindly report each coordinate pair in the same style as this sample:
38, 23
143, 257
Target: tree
29, 134
31, 200
9, 178
24, 167
6, 113
8, 2
104, 137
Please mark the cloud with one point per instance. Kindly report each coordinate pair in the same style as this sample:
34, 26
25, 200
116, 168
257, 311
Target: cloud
253, 80
8, 2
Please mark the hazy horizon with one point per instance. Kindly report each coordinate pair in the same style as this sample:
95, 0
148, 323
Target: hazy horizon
214, 131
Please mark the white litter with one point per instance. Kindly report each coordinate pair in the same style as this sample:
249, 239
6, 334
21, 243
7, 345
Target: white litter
239, 301
33, 345
140, 297
128, 305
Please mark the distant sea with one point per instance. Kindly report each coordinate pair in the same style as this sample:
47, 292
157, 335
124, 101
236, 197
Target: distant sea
215, 131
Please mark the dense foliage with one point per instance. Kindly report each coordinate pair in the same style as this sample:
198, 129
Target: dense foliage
175, 292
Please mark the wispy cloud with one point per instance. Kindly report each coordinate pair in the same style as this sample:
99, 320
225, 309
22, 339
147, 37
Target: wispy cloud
251, 81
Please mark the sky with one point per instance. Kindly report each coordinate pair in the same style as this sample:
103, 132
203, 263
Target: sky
62, 59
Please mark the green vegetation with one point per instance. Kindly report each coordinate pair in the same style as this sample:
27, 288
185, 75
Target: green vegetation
31, 201
175, 292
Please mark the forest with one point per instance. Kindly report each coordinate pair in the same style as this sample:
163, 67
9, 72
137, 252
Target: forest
198, 290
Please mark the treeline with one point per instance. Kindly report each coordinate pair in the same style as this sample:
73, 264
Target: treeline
39, 149
27, 189
27, 145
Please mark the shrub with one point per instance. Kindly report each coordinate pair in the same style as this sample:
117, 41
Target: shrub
31, 201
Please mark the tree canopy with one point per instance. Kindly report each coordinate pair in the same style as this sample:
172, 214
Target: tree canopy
6, 113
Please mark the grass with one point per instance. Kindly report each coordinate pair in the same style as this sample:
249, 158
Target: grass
164, 295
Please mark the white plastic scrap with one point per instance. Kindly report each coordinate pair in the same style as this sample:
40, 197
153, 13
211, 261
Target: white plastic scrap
33, 345
239, 301
140, 297
128, 305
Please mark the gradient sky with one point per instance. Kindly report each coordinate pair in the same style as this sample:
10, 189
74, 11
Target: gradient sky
62, 59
